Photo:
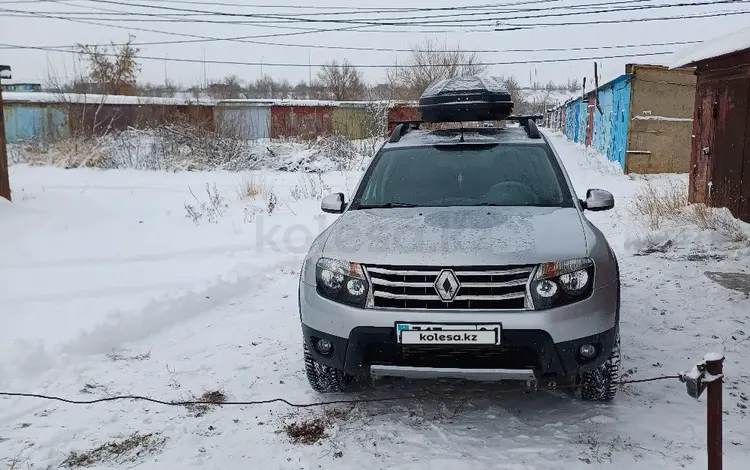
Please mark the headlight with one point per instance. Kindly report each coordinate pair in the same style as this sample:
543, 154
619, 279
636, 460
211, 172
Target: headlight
562, 283
341, 281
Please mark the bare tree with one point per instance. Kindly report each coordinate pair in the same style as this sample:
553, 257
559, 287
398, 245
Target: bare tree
342, 82
267, 87
574, 85
115, 71
429, 62
229, 88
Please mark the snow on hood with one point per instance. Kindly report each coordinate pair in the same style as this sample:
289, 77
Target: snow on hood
455, 236
735, 41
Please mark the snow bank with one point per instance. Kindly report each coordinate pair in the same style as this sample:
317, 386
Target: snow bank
694, 228
722, 45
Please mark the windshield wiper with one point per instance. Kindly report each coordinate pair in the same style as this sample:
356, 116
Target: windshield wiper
492, 204
386, 205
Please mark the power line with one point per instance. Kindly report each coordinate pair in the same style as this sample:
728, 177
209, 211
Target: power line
395, 49
366, 66
422, 20
484, 11
133, 28
622, 21
315, 7
361, 28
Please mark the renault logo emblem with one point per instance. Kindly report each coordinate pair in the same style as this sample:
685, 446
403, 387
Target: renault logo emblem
447, 285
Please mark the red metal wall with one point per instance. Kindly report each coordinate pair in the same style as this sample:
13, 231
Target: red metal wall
303, 122
590, 119
720, 155
398, 114
91, 118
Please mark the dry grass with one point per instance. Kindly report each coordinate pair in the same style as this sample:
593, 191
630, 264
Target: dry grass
207, 401
252, 187
117, 451
311, 430
113, 356
654, 205
309, 186
306, 431
68, 153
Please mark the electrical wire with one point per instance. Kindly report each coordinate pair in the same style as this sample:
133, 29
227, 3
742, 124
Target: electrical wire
623, 21
365, 66
326, 9
361, 28
395, 49
221, 402
170, 33
421, 20
484, 10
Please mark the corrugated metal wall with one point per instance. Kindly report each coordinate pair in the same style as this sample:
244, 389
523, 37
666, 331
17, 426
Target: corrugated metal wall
244, 121
590, 118
582, 115
602, 132
610, 133
350, 122
571, 119
606, 130
620, 121
303, 122
34, 122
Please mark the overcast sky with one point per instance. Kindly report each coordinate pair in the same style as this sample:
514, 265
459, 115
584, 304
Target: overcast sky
310, 23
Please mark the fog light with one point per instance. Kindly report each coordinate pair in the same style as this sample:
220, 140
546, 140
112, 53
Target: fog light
323, 346
587, 351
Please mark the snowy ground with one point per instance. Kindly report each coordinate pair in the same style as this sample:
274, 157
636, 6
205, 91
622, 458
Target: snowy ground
108, 288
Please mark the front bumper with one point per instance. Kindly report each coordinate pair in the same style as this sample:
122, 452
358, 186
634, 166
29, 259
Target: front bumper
524, 354
535, 344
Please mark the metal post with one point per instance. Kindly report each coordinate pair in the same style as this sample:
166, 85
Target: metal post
714, 367
4, 178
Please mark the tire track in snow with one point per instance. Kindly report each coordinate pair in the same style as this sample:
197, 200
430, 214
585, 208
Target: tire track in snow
159, 315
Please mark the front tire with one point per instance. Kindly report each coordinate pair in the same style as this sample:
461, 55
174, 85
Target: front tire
601, 384
323, 378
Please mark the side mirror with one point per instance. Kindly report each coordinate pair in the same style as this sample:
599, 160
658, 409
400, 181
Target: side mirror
333, 203
598, 200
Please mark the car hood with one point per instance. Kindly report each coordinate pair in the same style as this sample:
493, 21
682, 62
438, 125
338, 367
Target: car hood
456, 236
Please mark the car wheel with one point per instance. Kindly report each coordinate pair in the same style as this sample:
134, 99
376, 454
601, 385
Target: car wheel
323, 378
601, 383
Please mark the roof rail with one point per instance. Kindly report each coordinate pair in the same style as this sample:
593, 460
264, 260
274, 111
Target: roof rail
402, 129
529, 124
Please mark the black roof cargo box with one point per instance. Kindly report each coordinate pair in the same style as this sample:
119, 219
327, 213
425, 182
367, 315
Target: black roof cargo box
468, 98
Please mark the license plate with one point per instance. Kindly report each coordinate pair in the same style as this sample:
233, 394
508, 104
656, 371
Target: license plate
431, 333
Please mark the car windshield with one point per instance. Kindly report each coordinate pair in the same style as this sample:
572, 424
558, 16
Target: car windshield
470, 175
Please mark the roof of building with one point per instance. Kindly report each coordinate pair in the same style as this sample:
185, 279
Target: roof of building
60, 98
719, 46
477, 135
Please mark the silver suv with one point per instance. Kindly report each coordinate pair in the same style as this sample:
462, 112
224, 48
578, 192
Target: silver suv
464, 253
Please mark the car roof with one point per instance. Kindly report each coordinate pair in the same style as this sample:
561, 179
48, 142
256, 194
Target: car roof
474, 135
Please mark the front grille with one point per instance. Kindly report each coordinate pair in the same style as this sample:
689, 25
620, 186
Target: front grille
462, 357
482, 288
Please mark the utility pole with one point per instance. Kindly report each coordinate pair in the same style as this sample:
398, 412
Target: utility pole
205, 79
4, 178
